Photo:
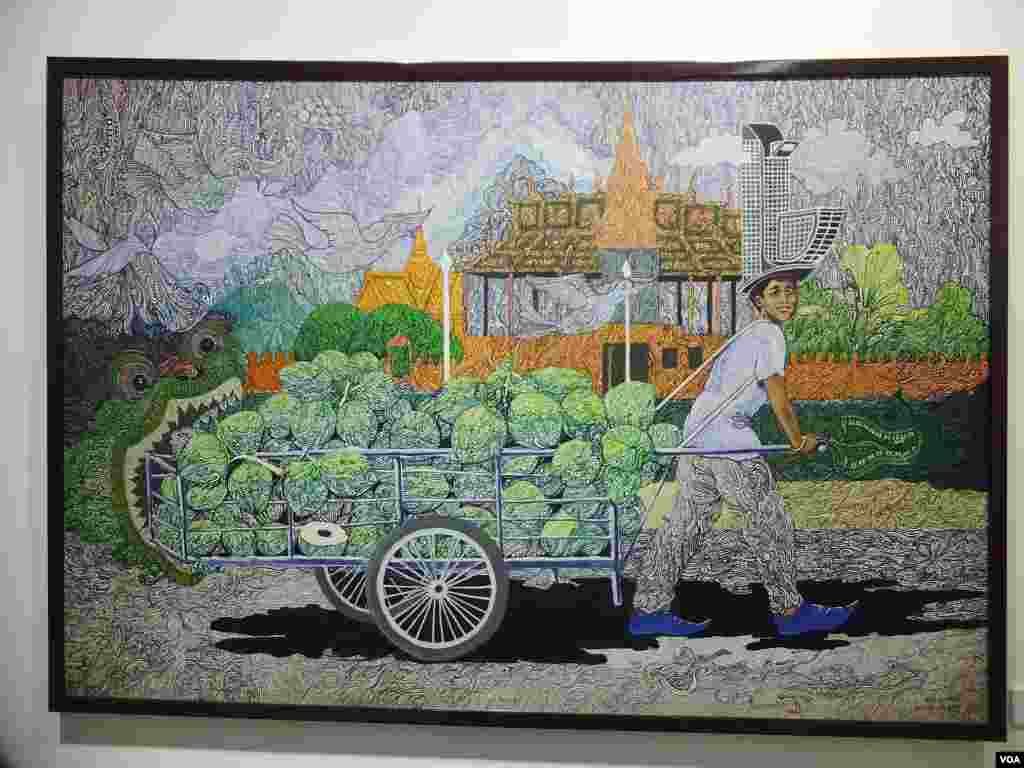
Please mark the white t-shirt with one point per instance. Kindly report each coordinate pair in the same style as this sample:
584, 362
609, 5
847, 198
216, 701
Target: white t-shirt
760, 352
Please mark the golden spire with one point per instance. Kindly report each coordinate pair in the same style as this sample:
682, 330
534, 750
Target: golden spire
421, 272
627, 222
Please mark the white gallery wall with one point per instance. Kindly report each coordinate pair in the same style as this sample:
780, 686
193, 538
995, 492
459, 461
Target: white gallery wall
524, 30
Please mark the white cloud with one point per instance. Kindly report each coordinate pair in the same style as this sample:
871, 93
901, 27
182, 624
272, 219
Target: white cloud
712, 151
837, 158
949, 132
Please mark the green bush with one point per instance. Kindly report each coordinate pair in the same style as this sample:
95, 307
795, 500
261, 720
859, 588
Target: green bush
425, 334
336, 326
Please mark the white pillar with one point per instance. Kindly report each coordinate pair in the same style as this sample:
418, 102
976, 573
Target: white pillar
446, 265
627, 273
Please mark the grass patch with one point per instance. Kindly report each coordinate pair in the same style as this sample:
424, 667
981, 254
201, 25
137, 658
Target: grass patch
893, 504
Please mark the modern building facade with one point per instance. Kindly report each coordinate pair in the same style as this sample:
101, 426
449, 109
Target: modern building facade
773, 235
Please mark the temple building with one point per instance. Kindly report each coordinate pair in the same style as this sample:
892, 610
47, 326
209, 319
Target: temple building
419, 285
688, 253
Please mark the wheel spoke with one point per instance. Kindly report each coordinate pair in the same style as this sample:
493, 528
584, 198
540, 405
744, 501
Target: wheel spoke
395, 590
446, 620
462, 596
435, 623
403, 607
354, 590
477, 568
470, 607
457, 610
410, 570
420, 609
423, 617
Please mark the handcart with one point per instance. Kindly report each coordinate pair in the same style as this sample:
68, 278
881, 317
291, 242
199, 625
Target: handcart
434, 582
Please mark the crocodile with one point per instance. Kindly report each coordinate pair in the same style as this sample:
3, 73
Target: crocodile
862, 447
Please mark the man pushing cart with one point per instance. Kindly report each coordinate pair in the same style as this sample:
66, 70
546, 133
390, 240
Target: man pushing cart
747, 373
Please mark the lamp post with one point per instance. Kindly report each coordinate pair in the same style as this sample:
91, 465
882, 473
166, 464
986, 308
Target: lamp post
627, 273
446, 265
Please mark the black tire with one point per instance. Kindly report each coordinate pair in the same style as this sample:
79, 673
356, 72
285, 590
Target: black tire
345, 587
453, 600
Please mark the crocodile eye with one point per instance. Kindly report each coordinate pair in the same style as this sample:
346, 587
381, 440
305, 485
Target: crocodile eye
133, 374
207, 345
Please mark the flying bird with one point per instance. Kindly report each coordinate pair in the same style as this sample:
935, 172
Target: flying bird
588, 304
124, 283
345, 245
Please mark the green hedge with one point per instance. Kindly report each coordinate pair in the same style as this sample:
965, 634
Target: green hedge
344, 328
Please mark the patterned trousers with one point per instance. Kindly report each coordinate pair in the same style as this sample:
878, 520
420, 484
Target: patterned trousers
704, 482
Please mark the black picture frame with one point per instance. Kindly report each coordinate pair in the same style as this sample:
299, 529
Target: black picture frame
993, 67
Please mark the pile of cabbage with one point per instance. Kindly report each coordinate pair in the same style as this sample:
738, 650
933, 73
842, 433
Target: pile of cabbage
557, 506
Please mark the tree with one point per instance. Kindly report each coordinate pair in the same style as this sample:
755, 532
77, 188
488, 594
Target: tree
878, 292
337, 326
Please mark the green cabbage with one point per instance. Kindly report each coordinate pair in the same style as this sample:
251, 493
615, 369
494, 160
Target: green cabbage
203, 539
356, 424
523, 500
306, 382
415, 430
240, 543
205, 497
535, 420
626, 448
556, 383
424, 483
242, 432
272, 542
482, 518
338, 367
631, 404
346, 473
203, 460
226, 516
378, 391
551, 481
276, 412
477, 435
555, 536
364, 363
313, 424
575, 462
304, 489
250, 485
584, 414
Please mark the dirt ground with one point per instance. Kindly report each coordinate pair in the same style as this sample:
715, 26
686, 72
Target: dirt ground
265, 636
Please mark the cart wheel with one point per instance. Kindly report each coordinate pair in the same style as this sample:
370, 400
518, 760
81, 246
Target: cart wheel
345, 587
438, 588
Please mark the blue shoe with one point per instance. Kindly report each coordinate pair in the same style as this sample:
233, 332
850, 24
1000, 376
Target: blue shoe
813, 618
664, 623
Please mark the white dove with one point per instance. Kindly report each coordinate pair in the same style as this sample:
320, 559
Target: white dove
118, 283
351, 247
588, 304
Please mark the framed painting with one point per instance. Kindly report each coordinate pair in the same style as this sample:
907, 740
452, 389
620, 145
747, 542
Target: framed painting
621, 396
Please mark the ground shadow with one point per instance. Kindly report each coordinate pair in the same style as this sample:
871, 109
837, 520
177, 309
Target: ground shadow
311, 631
571, 624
